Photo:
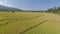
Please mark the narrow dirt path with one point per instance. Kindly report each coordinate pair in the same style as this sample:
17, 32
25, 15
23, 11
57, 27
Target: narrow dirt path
33, 27
53, 17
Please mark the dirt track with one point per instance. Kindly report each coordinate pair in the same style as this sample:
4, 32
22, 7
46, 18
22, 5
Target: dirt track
53, 17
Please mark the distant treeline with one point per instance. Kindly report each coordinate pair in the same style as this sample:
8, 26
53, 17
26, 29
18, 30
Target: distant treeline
52, 10
10, 11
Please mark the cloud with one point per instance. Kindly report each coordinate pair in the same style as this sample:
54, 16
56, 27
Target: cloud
5, 3
24, 8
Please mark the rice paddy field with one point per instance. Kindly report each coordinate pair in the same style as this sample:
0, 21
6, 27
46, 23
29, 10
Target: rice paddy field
29, 23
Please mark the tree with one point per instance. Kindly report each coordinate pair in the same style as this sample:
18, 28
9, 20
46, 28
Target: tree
13, 11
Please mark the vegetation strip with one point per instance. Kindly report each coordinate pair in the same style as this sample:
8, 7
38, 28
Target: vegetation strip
38, 16
32, 18
3, 24
33, 27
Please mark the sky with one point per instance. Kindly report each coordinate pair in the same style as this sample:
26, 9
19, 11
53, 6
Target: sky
31, 4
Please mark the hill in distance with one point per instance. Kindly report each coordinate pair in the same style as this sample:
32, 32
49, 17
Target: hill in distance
8, 8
